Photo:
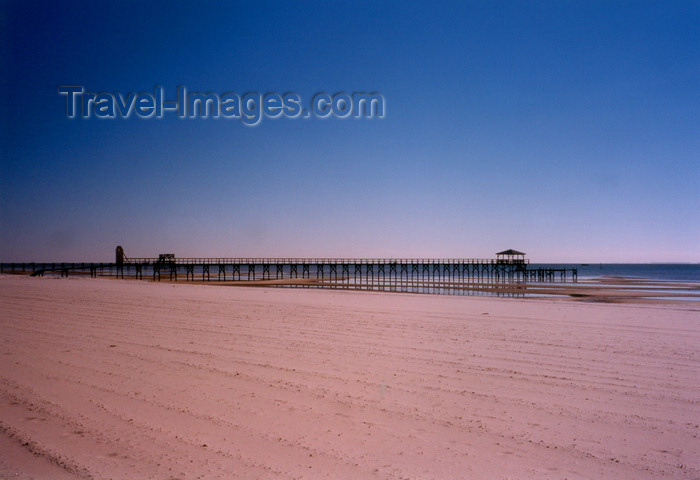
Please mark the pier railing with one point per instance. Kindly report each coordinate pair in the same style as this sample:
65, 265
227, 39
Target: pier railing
327, 261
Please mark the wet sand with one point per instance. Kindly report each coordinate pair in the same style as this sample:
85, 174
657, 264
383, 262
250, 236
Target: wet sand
104, 378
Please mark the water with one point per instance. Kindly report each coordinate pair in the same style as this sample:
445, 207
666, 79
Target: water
650, 276
647, 271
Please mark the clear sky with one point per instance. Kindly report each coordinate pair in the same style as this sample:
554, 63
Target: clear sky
569, 130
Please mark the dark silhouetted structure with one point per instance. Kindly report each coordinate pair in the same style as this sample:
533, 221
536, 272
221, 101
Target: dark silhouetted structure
120, 255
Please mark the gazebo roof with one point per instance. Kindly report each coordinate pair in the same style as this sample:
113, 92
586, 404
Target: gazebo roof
510, 252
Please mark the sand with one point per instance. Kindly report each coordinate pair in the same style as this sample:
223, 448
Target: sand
125, 379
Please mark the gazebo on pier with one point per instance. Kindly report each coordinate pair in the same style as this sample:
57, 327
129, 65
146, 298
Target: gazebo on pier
510, 256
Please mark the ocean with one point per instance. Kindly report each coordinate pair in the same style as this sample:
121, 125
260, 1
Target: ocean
649, 271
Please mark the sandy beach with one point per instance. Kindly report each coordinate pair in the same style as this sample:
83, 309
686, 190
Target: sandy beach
125, 379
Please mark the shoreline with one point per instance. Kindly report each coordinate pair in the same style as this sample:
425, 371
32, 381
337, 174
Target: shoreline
605, 289
135, 379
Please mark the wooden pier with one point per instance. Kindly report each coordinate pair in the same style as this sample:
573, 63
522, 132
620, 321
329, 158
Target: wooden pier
430, 275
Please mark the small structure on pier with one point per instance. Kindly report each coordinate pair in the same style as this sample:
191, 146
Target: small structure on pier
120, 255
166, 259
510, 256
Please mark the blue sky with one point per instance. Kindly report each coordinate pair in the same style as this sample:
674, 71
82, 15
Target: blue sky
569, 130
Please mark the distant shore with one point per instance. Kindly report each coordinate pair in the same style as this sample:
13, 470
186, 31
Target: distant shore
132, 379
